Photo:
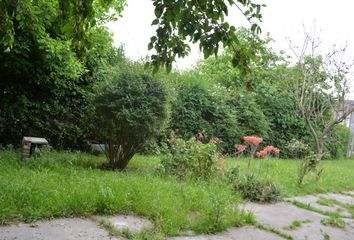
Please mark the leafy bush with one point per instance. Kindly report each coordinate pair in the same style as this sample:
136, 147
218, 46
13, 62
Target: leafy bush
191, 158
197, 108
297, 149
46, 83
129, 112
250, 116
310, 164
279, 106
338, 142
253, 188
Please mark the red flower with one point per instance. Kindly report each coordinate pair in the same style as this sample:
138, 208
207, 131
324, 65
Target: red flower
276, 150
269, 148
261, 153
253, 140
239, 148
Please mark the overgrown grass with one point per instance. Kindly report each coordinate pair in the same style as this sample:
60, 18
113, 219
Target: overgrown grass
68, 184
71, 184
337, 175
334, 222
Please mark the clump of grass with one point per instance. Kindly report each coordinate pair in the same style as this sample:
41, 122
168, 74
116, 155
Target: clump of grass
273, 230
148, 235
325, 235
326, 202
334, 222
113, 231
296, 224
67, 184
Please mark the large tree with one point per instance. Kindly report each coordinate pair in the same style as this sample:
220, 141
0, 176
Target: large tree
182, 22
52, 52
321, 86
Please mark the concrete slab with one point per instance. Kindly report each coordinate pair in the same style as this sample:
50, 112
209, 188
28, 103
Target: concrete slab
339, 197
350, 193
282, 214
242, 233
312, 200
132, 223
57, 229
35, 140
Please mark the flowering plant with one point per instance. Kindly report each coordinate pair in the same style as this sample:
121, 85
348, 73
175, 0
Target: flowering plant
261, 153
239, 148
267, 150
193, 158
254, 140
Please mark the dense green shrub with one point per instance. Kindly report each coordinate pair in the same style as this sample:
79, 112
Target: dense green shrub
45, 88
48, 70
250, 116
297, 149
197, 108
191, 158
255, 189
280, 109
338, 142
129, 112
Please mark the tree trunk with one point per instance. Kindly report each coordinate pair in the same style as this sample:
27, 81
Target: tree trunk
319, 154
118, 156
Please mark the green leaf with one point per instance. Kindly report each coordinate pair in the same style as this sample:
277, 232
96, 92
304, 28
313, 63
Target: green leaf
150, 46
155, 22
235, 62
158, 11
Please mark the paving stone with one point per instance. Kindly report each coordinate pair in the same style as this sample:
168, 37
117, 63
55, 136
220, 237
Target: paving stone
282, 214
350, 193
58, 229
242, 233
312, 200
339, 197
132, 223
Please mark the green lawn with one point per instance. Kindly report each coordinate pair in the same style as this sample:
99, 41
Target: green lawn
71, 184
62, 184
338, 175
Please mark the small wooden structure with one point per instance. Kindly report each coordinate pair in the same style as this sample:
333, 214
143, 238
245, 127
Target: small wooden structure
28, 145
